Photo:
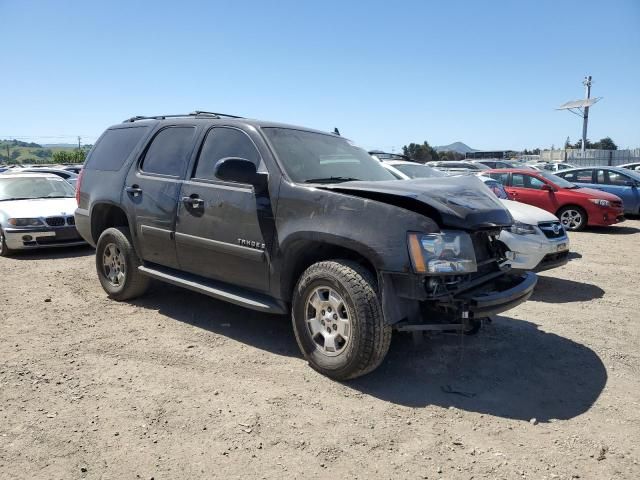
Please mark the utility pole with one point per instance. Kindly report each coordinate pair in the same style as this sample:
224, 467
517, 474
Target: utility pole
79, 142
587, 85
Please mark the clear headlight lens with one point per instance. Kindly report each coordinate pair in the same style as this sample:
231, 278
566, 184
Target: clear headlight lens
25, 222
519, 228
600, 202
447, 252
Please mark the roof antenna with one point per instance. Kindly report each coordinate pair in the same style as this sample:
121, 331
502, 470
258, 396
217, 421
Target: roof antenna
336, 131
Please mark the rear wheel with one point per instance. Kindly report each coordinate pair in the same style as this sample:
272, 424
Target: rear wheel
572, 217
117, 265
4, 250
337, 319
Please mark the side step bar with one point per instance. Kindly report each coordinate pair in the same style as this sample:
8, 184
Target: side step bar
219, 290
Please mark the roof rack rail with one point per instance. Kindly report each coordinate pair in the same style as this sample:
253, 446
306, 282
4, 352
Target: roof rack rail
196, 113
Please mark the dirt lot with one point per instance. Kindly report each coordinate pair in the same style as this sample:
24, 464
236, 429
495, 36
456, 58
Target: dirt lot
177, 385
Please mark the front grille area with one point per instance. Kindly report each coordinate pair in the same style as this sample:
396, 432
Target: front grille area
550, 228
60, 221
616, 204
55, 221
554, 257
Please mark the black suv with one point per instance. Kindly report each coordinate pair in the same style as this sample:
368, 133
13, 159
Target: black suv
285, 219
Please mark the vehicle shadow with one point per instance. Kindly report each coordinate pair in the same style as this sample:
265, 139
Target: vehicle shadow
510, 369
574, 255
559, 290
272, 333
53, 253
613, 230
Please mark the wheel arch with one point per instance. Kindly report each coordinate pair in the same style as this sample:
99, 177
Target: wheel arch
106, 215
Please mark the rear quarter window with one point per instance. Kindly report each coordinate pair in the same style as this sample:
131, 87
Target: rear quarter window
114, 148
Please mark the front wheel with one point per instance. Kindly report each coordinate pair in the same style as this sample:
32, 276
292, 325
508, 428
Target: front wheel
4, 250
573, 218
117, 265
337, 319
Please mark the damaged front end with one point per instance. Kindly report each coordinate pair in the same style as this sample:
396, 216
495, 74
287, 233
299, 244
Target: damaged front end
458, 276
453, 300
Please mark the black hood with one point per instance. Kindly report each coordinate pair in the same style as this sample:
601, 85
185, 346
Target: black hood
462, 202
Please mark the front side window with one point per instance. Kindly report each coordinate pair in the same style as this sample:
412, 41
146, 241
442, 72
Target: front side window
220, 143
169, 151
310, 157
580, 176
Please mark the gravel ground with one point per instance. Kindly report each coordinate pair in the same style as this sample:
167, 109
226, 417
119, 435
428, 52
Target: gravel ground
177, 385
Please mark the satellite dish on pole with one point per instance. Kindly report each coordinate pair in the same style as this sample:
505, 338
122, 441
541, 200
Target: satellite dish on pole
581, 109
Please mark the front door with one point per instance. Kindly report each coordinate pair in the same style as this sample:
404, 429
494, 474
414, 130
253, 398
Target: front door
528, 189
152, 190
220, 226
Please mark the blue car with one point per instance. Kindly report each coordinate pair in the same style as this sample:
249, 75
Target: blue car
620, 181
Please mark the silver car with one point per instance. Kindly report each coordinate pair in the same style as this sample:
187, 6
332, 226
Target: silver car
36, 210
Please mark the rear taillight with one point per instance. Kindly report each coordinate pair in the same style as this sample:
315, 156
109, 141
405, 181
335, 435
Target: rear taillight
79, 186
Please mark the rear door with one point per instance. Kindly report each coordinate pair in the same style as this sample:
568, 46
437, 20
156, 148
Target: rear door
528, 189
219, 232
152, 189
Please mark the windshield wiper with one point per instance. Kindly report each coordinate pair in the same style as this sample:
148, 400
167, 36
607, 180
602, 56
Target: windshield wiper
331, 180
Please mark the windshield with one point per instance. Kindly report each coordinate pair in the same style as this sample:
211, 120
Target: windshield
25, 188
418, 171
559, 181
318, 158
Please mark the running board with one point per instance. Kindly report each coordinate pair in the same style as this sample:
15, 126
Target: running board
434, 327
218, 290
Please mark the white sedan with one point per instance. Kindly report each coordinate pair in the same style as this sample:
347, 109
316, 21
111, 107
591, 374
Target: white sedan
36, 210
537, 240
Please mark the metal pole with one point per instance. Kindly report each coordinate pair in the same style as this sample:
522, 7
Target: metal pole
587, 84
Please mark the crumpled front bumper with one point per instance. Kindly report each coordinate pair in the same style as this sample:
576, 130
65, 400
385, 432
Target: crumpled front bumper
498, 295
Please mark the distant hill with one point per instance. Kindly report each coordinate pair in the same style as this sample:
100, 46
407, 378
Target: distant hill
455, 147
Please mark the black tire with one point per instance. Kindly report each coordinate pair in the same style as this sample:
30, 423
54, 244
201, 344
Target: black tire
4, 250
369, 336
573, 227
133, 284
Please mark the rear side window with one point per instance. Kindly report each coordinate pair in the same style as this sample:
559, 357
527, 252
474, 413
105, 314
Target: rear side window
169, 151
579, 176
114, 147
500, 177
224, 143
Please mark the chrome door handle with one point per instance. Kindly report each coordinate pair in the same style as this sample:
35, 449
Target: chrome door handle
133, 190
195, 202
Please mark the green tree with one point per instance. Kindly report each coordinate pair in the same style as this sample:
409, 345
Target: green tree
605, 144
420, 152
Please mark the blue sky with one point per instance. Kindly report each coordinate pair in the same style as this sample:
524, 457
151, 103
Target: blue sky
386, 73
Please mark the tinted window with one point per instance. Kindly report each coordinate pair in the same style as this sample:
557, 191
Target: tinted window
535, 183
526, 181
613, 178
114, 147
580, 176
500, 177
169, 151
223, 143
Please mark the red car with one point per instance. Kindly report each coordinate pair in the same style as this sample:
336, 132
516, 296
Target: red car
575, 206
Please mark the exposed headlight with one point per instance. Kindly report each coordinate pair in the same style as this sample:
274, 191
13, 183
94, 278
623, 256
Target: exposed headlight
25, 222
519, 228
600, 202
447, 252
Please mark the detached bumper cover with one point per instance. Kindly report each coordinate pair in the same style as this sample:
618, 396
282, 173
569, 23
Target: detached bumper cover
499, 295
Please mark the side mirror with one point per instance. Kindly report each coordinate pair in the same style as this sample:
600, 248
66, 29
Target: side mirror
547, 188
238, 170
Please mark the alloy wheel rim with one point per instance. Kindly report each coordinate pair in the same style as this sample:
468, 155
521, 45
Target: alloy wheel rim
113, 265
571, 219
328, 322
